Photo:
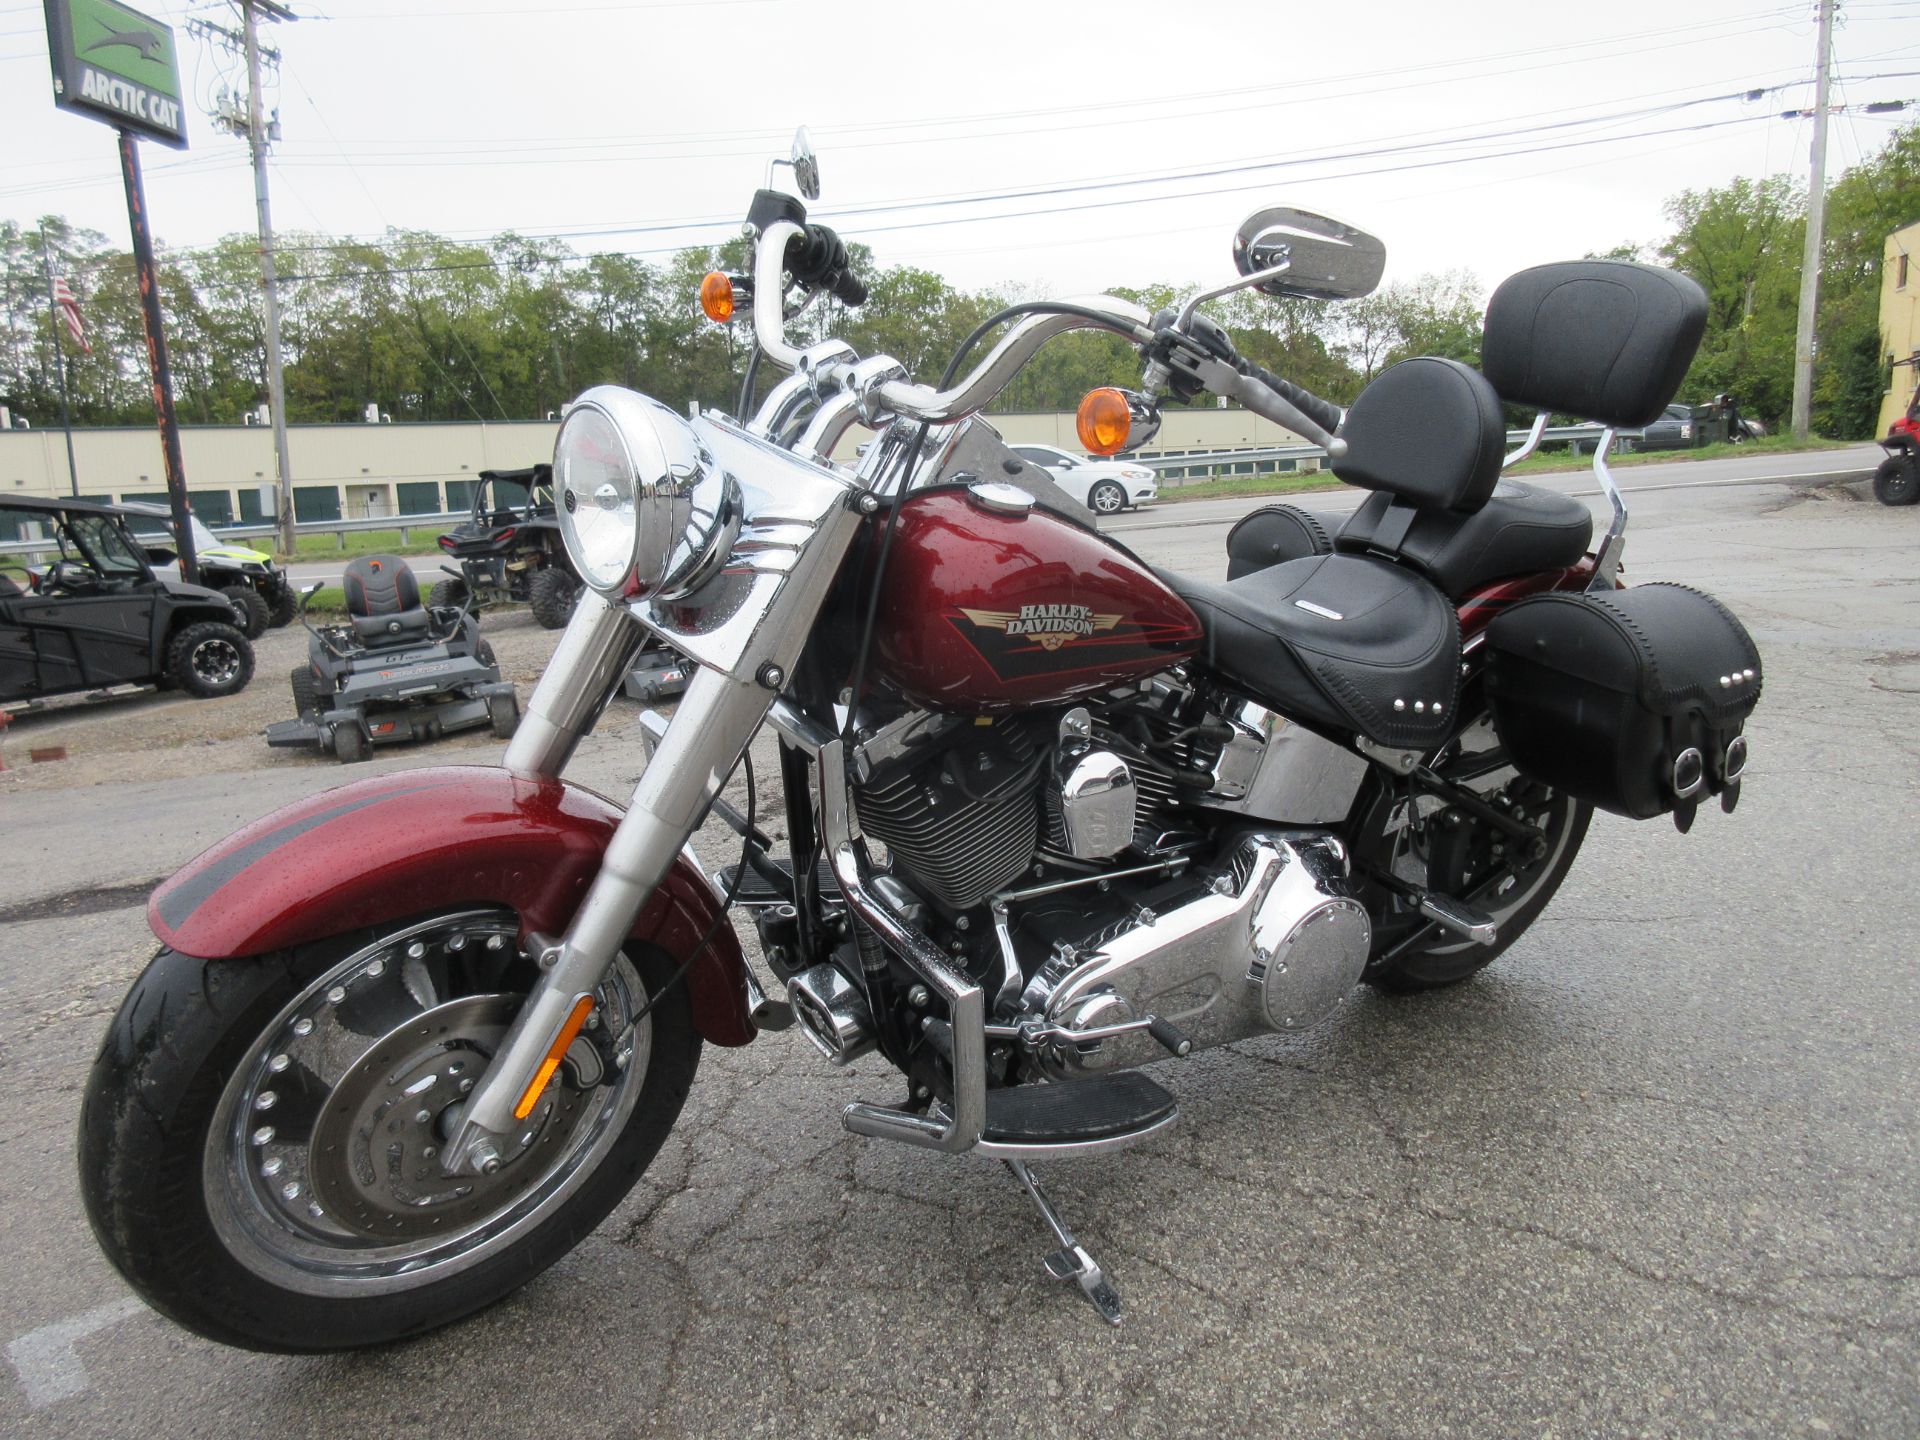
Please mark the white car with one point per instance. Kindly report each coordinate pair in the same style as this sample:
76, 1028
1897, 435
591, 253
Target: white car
1105, 487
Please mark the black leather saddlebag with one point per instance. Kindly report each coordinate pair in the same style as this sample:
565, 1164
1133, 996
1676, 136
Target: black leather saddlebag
1633, 700
1274, 535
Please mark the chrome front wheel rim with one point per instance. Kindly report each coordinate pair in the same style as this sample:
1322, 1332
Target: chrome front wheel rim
321, 1167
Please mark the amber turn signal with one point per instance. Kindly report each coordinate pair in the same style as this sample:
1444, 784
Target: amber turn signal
1104, 420
716, 297
556, 1052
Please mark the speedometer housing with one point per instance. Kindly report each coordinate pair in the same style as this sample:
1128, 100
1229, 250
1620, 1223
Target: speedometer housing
645, 510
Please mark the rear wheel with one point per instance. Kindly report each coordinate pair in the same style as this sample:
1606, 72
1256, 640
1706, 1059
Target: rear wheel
552, 594
250, 607
1106, 498
449, 593
259, 1137
210, 659
1897, 481
1422, 840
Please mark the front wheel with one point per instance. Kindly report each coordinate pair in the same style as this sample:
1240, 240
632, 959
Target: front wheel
210, 659
1897, 481
1107, 498
250, 607
259, 1138
1423, 841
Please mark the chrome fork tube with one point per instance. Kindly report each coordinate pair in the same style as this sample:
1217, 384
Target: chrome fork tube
598, 646
715, 720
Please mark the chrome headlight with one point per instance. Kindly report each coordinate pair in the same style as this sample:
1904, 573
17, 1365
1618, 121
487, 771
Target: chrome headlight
644, 508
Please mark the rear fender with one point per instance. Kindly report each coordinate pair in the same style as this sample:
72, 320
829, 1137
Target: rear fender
395, 846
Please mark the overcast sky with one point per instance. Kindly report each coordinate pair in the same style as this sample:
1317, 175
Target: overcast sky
608, 122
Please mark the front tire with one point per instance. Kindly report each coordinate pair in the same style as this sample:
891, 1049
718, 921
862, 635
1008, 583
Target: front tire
250, 607
1106, 498
209, 660
1897, 481
243, 1168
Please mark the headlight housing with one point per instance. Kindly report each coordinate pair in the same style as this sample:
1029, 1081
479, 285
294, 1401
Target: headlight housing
644, 508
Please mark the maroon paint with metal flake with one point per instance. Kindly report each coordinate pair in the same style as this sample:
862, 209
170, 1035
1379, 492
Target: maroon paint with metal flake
396, 846
985, 612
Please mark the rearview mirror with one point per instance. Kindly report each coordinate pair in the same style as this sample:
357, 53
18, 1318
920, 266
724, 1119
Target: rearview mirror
806, 165
1325, 259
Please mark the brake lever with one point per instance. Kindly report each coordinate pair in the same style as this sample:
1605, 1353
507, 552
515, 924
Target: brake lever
1186, 357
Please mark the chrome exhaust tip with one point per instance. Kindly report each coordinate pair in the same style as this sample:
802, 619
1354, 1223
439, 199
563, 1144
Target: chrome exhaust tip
833, 1013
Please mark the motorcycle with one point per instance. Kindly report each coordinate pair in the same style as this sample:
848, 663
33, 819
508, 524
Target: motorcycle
1051, 813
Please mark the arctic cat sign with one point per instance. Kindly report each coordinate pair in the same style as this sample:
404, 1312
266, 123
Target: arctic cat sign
118, 66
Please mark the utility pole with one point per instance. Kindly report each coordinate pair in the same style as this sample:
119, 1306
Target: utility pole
1816, 232
252, 122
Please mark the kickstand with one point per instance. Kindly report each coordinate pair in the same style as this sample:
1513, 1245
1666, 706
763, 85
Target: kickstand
1071, 1261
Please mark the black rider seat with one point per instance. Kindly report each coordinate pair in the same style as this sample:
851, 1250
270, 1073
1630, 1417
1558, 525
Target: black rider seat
383, 600
1346, 642
1521, 530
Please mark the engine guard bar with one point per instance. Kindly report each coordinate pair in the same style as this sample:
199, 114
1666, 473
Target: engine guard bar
965, 1001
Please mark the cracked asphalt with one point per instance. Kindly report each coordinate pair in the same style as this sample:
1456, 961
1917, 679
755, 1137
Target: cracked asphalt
1653, 1174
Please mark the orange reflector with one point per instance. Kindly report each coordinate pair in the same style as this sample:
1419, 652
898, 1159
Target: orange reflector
556, 1052
716, 297
1104, 420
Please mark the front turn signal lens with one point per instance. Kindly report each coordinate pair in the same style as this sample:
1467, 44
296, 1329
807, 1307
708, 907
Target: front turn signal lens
716, 297
556, 1052
1104, 421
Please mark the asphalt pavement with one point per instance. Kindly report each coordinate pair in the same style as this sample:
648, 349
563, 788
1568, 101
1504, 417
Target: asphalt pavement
1652, 1174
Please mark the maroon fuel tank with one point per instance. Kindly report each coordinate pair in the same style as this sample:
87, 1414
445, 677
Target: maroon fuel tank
984, 611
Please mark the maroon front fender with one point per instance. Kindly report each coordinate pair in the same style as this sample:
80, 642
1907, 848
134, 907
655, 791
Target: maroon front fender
400, 845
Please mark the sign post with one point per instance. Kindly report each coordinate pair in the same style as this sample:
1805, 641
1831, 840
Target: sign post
117, 65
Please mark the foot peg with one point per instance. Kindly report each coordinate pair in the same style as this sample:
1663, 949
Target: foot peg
1459, 917
1071, 1261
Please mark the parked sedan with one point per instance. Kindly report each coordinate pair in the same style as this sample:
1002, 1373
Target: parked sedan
1105, 487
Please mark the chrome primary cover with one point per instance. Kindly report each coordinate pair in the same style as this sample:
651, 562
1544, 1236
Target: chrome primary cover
1274, 942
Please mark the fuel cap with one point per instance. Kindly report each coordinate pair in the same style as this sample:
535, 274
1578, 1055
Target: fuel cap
1000, 497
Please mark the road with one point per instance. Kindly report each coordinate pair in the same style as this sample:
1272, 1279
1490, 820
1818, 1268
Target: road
1652, 1174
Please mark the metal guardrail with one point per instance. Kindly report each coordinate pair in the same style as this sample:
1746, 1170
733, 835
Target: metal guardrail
405, 524
1210, 462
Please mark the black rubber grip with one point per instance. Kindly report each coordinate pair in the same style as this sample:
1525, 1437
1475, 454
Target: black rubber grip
818, 259
1322, 412
850, 290
1169, 1035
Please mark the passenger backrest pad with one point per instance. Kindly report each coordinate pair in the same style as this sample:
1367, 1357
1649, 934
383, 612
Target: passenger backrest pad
1604, 340
379, 585
1428, 431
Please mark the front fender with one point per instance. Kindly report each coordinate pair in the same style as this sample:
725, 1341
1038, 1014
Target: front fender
395, 846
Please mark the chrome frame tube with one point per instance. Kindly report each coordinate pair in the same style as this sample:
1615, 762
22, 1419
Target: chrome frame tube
716, 719
966, 1005
1607, 564
594, 653
1531, 443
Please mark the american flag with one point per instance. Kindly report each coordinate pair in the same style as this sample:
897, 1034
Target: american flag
69, 309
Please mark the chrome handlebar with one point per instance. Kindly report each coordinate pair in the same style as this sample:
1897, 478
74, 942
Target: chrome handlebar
879, 388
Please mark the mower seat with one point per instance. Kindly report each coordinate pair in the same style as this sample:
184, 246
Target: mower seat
383, 600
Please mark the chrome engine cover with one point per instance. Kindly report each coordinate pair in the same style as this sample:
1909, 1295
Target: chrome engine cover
1273, 942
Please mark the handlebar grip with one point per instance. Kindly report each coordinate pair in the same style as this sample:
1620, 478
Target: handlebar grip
849, 289
1322, 412
818, 259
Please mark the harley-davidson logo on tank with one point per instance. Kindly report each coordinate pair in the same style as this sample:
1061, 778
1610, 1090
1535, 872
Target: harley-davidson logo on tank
1049, 626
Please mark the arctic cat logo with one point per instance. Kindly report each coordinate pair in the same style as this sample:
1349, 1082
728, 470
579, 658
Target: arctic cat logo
1050, 626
